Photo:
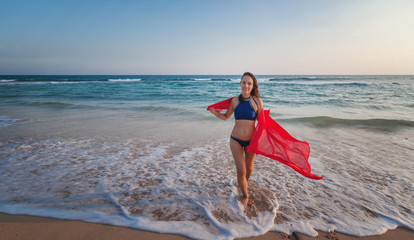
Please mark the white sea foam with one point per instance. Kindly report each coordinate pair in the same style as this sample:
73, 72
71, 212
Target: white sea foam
125, 80
164, 186
23, 83
321, 82
235, 79
145, 183
74, 82
17, 83
66, 82
6, 121
263, 79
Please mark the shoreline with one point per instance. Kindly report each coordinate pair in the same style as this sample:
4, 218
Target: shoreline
34, 227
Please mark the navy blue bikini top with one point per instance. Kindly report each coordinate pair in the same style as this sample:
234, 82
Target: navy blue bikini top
245, 111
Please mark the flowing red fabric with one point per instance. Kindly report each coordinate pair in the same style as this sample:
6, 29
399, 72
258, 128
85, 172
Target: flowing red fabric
271, 140
223, 105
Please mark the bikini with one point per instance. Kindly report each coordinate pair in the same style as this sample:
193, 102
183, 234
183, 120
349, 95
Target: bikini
244, 111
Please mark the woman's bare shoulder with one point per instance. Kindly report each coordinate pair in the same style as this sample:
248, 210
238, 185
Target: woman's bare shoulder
258, 101
235, 100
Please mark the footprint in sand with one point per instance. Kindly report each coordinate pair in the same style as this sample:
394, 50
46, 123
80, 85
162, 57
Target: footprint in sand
260, 200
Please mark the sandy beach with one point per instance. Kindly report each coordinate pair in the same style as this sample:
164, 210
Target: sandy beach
13, 227
101, 149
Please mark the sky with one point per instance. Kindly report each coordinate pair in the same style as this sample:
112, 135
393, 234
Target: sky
207, 37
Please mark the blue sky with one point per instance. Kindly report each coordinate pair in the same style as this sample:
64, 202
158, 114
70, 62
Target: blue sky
207, 37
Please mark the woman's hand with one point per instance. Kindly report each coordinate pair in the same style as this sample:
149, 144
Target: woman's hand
213, 111
217, 114
223, 116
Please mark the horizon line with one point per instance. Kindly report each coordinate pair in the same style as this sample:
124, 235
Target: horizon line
123, 74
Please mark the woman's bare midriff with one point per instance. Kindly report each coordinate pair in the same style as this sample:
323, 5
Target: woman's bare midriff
243, 129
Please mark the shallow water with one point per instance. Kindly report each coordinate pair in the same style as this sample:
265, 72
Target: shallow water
142, 151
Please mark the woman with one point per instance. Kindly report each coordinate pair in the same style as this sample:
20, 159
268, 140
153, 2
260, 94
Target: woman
246, 108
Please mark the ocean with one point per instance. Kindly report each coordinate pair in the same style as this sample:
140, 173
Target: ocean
141, 151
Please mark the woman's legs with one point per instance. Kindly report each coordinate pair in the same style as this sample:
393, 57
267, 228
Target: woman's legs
249, 161
238, 155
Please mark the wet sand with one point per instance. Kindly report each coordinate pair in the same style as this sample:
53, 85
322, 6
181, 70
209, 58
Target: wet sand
30, 227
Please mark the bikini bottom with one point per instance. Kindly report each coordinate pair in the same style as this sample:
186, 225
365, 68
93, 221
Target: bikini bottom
242, 143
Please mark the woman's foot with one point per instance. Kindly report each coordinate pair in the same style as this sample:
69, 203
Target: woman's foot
244, 200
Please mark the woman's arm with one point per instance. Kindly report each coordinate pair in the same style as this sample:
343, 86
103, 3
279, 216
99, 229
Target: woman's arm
227, 114
259, 107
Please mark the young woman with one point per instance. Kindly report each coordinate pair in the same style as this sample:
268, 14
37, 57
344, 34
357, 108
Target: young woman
246, 108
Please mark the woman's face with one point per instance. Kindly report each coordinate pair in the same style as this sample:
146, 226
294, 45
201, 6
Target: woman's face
246, 85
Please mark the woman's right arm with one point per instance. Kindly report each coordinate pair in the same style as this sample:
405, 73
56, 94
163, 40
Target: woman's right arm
227, 114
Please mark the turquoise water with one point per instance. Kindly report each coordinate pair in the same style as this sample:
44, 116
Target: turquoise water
359, 97
142, 151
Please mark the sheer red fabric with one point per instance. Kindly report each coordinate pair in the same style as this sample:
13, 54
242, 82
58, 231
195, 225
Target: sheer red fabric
271, 140
223, 105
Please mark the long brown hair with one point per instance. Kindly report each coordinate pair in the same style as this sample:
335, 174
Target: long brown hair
255, 90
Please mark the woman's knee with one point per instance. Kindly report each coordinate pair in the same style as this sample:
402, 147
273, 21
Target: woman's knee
241, 173
249, 169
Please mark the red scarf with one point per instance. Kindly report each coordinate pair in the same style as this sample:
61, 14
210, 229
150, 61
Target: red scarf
271, 140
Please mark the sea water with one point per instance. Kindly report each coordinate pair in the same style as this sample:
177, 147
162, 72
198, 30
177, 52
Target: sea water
143, 152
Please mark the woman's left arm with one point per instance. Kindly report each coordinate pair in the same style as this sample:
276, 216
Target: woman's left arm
259, 107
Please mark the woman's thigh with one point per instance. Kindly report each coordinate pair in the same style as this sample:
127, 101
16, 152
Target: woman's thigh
238, 155
249, 159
